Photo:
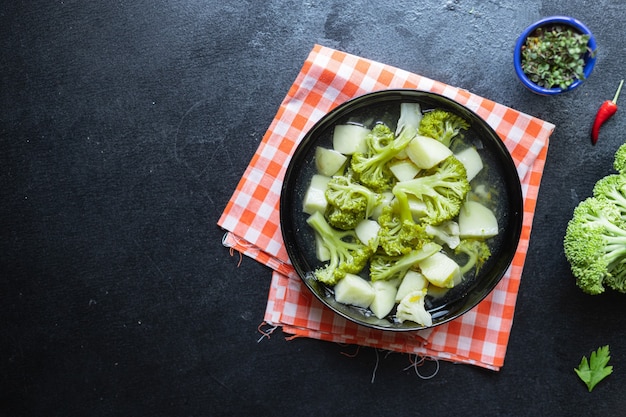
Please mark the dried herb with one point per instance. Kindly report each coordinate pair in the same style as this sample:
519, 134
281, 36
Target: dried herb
553, 57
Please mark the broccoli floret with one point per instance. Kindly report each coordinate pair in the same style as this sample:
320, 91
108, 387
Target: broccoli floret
398, 233
619, 162
442, 125
340, 219
595, 246
477, 252
617, 279
385, 267
442, 189
347, 253
613, 188
411, 308
349, 202
372, 167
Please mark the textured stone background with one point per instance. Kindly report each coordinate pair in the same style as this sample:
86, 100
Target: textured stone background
124, 129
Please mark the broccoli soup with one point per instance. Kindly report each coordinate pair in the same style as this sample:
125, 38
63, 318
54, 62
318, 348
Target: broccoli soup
398, 210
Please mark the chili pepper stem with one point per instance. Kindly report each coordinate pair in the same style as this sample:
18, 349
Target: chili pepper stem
619, 89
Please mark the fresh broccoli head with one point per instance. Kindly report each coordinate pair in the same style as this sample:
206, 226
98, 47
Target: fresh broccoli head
477, 252
442, 189
613, 188
595, 246
619, 162
385, 267
442, 125
349, 202
372, 166
398, 233
347, 254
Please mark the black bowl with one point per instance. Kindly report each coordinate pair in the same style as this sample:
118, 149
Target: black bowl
499, 167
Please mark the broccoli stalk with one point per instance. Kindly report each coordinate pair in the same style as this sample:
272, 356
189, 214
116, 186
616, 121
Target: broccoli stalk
477, 253
445, 233
442, 125
349, 202
410, 118
372, 167
442, 189
385, 267
595, 246
347, 253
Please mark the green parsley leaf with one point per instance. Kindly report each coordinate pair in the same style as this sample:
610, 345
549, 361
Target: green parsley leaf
595, 370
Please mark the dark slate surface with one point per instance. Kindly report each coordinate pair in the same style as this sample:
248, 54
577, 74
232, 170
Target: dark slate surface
124, 129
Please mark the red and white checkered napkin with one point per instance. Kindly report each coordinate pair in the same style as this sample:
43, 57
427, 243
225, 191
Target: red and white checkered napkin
327, 79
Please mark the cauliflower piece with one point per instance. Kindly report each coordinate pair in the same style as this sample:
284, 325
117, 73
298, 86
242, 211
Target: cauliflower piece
411, 308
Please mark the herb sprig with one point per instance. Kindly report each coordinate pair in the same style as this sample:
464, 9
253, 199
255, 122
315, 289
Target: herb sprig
596, 368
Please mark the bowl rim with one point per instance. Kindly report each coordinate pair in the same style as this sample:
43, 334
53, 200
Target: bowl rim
287, 205
563, 20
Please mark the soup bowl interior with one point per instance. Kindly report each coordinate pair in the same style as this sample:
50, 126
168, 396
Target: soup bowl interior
499, 172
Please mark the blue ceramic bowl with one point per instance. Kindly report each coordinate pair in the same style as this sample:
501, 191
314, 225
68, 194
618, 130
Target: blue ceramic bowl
590, 58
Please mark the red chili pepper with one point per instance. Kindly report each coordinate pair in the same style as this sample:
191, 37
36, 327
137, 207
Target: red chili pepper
605, 112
